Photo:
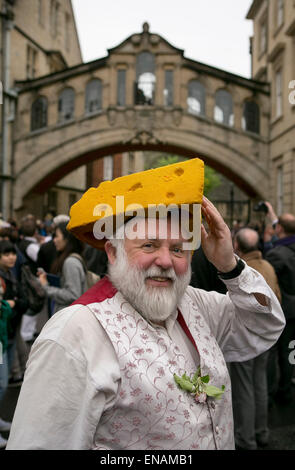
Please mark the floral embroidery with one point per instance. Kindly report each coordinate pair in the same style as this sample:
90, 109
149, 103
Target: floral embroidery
186, 414
158, 408
130, 364
148, 398
139, 351
135, 392
172, 362
161, 371
122, 393
170, 419
136, 421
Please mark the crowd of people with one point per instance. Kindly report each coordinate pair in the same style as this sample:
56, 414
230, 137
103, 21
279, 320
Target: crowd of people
257, 384
56, 259
45, 249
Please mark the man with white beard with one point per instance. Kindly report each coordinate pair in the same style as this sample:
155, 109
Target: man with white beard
138, 362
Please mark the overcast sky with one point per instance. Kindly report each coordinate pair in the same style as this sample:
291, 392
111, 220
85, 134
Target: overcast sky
215, 32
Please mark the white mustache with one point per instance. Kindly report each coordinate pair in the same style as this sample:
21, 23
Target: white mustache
158, 272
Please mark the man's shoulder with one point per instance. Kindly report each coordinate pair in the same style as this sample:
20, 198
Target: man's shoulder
98, 293
64, 321
73, 328
279, 251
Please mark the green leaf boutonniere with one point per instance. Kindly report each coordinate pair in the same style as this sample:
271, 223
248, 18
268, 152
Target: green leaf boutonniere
198, 386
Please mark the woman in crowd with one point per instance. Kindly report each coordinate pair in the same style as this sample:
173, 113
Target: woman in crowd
69, 265
14, 306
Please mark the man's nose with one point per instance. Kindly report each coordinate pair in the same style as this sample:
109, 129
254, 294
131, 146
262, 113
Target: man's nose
163, 258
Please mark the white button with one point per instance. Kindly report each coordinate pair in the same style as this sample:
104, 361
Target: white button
217, 429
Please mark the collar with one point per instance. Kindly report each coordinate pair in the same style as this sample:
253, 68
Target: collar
285, 241
252, 255
31, 239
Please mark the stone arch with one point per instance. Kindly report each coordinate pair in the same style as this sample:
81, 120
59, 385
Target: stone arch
58, 161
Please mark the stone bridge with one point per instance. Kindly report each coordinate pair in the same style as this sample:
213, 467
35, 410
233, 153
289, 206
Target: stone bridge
144, 95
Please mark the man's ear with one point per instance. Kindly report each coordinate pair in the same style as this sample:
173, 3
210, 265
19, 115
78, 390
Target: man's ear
110, 251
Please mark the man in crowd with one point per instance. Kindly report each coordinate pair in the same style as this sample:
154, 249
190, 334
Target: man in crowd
104, 372
249, 378
29, 245
282, 258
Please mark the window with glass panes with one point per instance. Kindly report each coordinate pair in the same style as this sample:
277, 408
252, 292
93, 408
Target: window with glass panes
121, 87
196, 98
39, 113
93, 96
223, 111
66, 104
168, 90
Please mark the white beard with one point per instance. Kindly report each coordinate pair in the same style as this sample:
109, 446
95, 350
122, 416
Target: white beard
155, 304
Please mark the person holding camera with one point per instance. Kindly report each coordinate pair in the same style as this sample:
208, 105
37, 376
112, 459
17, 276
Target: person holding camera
282, 258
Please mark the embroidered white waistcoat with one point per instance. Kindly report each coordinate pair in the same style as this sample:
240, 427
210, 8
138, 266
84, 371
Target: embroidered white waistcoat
151, 411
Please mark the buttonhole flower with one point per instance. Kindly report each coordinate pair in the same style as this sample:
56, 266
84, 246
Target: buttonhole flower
199, 386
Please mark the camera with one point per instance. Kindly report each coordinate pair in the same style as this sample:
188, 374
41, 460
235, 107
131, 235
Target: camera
261, 207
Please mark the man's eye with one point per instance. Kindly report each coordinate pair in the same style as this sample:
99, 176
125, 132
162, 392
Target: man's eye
177, 250
148, 245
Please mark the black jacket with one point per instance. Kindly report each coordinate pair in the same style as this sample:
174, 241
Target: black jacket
14, 291
282, 258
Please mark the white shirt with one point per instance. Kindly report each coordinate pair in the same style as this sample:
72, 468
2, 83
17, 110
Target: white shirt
73, 373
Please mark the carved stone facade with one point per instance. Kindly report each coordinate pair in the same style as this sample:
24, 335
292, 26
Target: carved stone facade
273, 61
144, 95
37, 37
164, 119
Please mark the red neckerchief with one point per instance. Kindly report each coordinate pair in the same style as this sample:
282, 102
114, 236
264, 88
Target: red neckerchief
183, 325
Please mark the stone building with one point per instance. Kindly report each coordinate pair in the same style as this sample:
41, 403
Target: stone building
38, 37
78, 123
273, 61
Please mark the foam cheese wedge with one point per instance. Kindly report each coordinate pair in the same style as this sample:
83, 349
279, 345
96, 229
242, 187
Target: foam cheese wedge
179, 183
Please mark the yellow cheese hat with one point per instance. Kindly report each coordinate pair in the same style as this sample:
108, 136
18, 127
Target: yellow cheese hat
176, 184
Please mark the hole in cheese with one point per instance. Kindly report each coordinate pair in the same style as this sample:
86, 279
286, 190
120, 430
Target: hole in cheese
170, 195
135, 187
179, 171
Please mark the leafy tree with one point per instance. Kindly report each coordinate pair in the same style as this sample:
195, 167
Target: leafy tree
212, 178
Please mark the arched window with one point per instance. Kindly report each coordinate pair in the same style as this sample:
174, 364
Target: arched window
39, 113
93, 96
251, 117
223, 111
66, 104
196, 98
145, 78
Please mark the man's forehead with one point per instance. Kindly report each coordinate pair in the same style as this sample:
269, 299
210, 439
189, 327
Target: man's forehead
155, 228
